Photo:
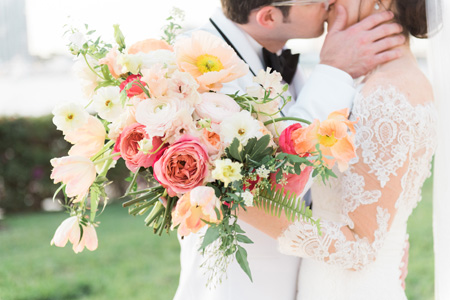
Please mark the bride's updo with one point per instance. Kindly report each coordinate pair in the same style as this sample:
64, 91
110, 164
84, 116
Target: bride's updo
412, 15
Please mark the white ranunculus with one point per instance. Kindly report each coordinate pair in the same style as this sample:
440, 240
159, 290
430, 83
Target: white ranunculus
106, 102
216, 107
241, 126
159, 115
183, 86
69, 117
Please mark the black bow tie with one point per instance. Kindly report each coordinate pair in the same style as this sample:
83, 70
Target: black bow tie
286, 63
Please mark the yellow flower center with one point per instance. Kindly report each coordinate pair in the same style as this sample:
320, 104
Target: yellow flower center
241, 131
108, 103
208, 63
70, 116
327, 141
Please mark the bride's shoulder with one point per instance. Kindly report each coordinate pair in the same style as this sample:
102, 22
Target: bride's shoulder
405, 79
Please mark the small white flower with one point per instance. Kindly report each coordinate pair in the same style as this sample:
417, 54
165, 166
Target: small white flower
107, 103
146, 146
248, 198
69, 117
77, 39
227, 171
263, 172
241, 126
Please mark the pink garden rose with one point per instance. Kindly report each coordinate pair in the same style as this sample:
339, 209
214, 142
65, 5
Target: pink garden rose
286, 143
183, 166
295, 183
76, 172
195, 206
127, 145
69, 230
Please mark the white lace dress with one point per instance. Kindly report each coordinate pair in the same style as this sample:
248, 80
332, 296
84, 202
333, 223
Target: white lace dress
364, 211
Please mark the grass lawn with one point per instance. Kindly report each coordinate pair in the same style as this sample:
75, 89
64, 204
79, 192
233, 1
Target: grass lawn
132, 263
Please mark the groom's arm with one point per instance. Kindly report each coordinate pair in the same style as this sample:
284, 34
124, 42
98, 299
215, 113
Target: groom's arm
346, 53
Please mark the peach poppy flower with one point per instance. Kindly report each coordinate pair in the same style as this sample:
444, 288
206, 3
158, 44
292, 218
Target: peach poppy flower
69, 230
87, 140
197, 205
76, 172
149, 45
332, 136
209, 60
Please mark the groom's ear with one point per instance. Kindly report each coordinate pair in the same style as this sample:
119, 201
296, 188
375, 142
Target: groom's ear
268, 17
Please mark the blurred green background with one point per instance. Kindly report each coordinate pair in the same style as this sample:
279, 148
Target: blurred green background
130, 263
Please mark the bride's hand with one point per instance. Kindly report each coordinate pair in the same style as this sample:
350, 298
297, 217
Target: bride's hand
363, 46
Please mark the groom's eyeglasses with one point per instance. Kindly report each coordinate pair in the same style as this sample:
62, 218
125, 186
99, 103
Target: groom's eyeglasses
300, 2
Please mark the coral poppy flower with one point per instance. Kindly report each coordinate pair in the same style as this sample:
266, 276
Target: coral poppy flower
332, 135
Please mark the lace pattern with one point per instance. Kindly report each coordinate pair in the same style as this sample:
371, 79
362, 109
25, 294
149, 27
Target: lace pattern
395, 142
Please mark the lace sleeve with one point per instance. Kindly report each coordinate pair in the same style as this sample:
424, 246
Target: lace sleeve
390, 141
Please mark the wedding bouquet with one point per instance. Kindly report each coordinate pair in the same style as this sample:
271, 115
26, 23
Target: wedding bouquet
200, 156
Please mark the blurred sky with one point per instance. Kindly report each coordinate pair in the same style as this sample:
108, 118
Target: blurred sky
34, 86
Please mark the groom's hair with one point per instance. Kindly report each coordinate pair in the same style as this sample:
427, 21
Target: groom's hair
239, 10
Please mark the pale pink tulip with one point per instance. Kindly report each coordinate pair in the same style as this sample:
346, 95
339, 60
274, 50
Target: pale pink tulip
88, 139
69, 230
197, 205
88, 240
64, 231
76, 172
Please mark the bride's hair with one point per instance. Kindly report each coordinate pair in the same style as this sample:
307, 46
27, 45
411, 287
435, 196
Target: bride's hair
412, 15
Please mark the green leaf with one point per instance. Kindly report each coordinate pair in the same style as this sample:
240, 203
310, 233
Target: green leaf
233, 150
94, 203
241, 257
260, 145
238, 228
212, 234
243, 239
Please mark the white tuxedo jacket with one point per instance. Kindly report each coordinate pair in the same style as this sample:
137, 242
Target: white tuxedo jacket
274, 274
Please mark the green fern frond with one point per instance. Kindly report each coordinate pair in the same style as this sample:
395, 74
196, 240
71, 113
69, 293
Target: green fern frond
274, 201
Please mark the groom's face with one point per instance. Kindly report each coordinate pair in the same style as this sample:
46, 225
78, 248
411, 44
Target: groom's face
305, 21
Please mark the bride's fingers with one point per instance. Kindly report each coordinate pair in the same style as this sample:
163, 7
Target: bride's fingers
385, 30
375, 20
388, 43
341, 20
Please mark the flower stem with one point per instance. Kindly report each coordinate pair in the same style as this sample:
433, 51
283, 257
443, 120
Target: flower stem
287, 119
